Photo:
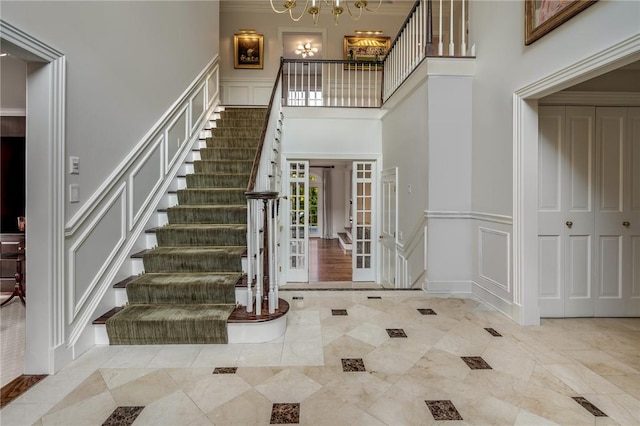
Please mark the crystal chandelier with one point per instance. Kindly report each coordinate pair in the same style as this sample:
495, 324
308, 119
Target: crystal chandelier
306, 50
336, 7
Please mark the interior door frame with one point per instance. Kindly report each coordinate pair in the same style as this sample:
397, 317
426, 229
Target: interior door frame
386, 176
525, 308
303, 156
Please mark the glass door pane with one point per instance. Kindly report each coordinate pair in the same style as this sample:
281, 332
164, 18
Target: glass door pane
298, 206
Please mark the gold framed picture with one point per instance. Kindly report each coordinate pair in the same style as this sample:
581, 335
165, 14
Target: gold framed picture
248, 51
365, 49
542, 16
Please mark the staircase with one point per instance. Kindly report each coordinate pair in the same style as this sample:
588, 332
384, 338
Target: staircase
187, 293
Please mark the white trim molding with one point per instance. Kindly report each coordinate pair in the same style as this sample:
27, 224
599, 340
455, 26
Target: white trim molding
485, 217
13, 112
525, 166
45, 342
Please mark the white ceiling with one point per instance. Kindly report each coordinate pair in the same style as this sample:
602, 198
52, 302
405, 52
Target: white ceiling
290, 42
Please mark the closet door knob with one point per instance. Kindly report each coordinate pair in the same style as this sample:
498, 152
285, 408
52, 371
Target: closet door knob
569, 224
626, 224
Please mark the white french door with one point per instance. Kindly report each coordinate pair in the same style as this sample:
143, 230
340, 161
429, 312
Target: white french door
388, 227
589, 200
298, 214
363, 251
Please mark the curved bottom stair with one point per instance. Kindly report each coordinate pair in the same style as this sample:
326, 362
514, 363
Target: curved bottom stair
241, 327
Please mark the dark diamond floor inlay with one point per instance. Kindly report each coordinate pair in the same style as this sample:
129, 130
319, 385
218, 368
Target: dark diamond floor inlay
427, 311
225, 370
352, 364
123, 416
336, 312
476, 363
374, 297
443, 410
18, 386
396, 332
285, 413
492, 332
589, 406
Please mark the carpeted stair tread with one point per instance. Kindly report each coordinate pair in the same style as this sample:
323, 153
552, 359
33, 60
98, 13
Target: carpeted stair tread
217, 180
170, 324
218, 153
194, 259
213, 166
187, 291
181, 288
202, 235
211, 196
230, 214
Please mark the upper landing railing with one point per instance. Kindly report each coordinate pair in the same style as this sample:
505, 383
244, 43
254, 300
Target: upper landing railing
433, 28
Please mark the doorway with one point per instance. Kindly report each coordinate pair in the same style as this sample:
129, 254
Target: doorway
326, 199
526, 266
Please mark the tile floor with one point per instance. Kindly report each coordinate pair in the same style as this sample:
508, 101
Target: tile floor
346, 370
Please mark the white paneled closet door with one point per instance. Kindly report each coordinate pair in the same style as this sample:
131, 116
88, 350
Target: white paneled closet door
617, 201
566, 214
589, 198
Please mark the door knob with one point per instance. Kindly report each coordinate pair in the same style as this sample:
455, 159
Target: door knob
381, 237
569, 224
626, 224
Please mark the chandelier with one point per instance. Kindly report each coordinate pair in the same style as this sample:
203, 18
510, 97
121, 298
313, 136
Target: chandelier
306, 50
336, 7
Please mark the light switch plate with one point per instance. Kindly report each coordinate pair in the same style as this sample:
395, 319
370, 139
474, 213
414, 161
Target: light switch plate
74, 193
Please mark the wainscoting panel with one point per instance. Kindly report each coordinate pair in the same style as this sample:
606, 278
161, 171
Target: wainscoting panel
95, 249
246, 92
198, 106
494, 251
144, 180
175, 135
493, 274
412, 257
102, 235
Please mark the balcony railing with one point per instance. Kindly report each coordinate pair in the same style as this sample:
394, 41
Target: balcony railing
367, 84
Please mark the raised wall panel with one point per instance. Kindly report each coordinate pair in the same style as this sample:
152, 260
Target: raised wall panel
262, 95
549, 160
145, 179
176, 135
610, 160
578, 281
495, 249
236, 95
610, 259
549, 266
198, 106
634, 146
95, 249
635, 267
580, 149
212, 86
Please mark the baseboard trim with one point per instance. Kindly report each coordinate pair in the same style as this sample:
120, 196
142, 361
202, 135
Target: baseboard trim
498, 303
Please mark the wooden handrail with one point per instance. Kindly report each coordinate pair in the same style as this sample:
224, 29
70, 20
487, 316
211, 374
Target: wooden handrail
404, 26
256, 160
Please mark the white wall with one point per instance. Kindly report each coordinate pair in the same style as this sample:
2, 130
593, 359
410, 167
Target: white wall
127, 62
13, 86
505, 64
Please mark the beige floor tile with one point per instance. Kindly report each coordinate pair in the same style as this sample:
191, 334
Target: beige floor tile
215, 390
94, 410
145, 389
289, 385
249, 408
175, 408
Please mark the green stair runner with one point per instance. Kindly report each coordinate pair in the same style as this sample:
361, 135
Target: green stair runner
187, 291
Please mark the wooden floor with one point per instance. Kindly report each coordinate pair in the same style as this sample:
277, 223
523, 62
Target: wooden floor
328, 261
